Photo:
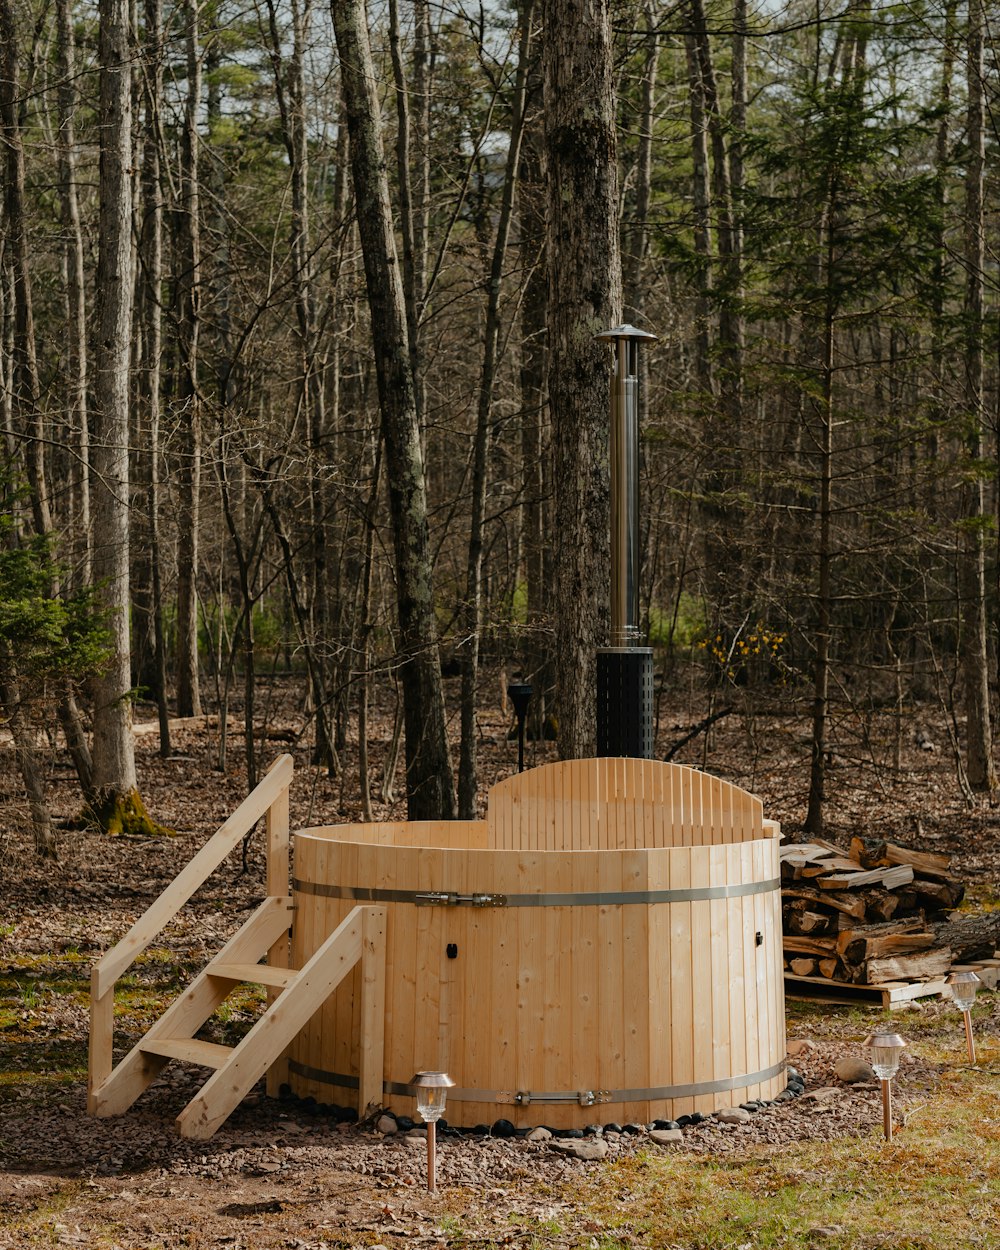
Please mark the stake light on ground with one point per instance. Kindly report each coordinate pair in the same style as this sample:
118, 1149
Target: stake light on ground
963, 986
431, 1092
886, 1049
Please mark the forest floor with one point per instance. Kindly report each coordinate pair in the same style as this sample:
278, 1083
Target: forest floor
807, 1172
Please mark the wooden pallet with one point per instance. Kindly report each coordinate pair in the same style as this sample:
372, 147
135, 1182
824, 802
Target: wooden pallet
893, 996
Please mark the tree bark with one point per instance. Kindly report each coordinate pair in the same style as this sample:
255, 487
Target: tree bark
701, 202
472, 625
975, 660
22, 393
116, 804
429, 778
73, 264
584, 299
24, 382
151, 338
189, 400
536, 457
29, 766
309, 594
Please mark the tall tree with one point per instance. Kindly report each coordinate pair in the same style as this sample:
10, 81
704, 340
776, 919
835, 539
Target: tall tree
584, 298
116, 803
975, 659
148, 614
473, 615
189, 395
429, 777
73, 271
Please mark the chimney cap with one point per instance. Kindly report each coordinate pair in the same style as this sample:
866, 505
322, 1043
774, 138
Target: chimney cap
626, 332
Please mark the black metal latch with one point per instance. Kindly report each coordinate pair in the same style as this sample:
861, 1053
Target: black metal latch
441, 898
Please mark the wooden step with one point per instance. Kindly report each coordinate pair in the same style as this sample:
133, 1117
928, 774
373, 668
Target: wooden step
254, 974
188, 1049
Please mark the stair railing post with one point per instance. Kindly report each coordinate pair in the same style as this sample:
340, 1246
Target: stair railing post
372, 1041
277, 826
100, 1045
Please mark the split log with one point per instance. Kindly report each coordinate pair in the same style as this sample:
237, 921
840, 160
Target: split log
971, 937
882, 906
828, 968
874, 933
808, 922
851, 905
833, 863
862, 950
803, 967
888, 878
795, 945
921, 966
798, 854
874, 853
940, 895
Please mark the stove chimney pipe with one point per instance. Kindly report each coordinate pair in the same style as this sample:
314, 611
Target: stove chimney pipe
625, 669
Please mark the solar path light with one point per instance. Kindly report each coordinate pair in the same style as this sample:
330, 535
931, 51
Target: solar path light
431, 1090
963, 986
886, 1049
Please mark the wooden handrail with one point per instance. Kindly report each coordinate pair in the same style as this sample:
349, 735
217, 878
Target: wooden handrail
114, 962
269, 798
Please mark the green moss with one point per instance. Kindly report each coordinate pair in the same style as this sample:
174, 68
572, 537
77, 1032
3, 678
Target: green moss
123, 814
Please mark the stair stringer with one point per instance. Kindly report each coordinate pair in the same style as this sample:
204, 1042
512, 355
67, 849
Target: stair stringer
185, 1016
360, 936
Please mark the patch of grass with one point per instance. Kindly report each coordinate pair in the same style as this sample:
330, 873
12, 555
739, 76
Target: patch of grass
934, 1187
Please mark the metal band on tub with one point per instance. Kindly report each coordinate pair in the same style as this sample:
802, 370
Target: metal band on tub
597, 898
583, 1098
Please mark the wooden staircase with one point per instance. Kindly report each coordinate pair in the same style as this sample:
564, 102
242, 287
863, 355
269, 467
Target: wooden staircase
294, 995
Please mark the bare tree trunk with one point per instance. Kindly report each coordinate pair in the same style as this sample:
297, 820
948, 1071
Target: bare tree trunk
727, 287
25, 394
151, 249
73, 253
429, 779
188, 319
22, 395
637, 237
472, 625
310, 607
116, 804
31, 771
367, 625
975, 661
536, 459
824, 559
701, 196
408, 210
585, 298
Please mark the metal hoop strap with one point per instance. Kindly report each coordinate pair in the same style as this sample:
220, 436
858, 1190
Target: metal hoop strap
597, 898
722, 1086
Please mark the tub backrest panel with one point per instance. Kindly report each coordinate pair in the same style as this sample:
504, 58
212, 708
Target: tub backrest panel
618, 804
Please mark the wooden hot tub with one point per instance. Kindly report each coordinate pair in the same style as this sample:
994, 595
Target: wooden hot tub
605, 946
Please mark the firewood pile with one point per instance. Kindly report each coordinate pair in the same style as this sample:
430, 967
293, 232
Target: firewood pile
877, 914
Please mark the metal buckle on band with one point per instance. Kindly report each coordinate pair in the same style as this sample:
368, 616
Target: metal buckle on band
441, 898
